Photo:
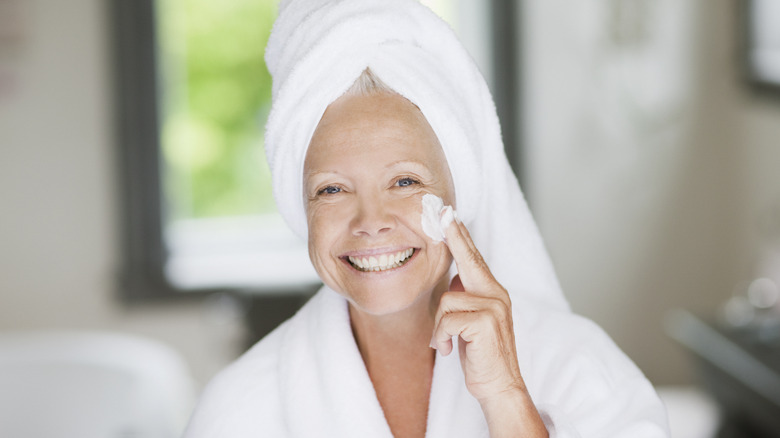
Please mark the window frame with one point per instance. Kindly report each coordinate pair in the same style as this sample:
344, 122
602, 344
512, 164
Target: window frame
759, 85
143, 252
142, 248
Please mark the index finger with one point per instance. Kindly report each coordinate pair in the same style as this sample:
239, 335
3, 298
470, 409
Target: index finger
474, 272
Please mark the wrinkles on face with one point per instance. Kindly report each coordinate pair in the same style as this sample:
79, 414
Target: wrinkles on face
370, 161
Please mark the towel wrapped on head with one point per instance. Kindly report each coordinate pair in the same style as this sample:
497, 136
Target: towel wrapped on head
315, 53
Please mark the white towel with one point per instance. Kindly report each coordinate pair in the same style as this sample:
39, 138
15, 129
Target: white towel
307, 379
316, 51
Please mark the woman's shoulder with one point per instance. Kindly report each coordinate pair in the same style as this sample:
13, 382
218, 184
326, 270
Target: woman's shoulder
258, 366
243, 398
253, 371
576, 373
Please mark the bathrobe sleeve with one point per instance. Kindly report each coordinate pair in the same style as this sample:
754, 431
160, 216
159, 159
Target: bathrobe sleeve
582, 384
242, 400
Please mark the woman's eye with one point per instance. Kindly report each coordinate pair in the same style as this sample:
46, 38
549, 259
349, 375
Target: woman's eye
330, 190
406, 182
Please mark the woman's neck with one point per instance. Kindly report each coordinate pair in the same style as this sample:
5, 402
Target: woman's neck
397, 354
403, 332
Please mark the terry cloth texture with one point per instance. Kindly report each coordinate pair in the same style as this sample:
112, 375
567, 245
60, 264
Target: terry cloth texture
307, 379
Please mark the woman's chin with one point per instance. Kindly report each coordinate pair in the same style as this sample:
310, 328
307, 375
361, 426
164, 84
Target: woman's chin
381, 297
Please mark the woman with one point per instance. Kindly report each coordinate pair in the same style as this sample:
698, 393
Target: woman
376, 106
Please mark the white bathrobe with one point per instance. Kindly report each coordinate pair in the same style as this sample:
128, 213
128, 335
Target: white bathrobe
307, 379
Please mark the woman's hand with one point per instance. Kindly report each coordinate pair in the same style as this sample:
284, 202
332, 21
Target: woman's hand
477, 310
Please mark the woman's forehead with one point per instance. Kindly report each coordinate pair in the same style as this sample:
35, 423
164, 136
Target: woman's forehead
378, 126
379, 113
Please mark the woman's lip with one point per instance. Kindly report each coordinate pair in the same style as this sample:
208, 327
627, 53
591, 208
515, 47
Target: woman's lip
376, 251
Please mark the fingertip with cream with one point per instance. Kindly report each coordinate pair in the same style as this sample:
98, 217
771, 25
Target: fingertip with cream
448, 215
436, 217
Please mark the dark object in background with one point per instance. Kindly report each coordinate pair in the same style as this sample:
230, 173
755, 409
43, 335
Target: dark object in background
740, 367
266, 312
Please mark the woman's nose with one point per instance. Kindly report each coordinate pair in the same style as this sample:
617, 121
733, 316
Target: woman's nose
372, 217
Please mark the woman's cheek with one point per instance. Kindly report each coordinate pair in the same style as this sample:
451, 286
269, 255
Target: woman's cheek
412, 208
321, 240
407, 208
316, 209
324, 219
315, 220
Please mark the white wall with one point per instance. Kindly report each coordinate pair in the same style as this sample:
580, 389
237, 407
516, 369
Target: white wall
58, 184
648, 164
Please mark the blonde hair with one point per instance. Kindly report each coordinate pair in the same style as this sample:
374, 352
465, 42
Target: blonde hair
367, 84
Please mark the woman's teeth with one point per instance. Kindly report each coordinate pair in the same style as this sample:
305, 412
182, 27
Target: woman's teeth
382, 262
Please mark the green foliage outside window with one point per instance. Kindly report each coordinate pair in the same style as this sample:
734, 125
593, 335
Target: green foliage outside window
216, 94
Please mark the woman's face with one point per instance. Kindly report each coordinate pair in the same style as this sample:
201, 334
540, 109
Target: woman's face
370, 161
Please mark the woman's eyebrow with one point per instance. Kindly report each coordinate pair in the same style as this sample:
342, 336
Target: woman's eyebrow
317, 176
413, 163
320, 172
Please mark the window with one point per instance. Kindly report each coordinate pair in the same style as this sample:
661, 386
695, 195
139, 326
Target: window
220, 225
762, 40
193, 94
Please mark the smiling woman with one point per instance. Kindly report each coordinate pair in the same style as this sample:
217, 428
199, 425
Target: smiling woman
394, 344
369, 163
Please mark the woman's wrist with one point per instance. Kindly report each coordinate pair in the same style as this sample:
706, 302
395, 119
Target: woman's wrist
512, 413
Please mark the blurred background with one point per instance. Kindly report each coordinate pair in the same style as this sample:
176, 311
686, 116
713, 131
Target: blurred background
136, 220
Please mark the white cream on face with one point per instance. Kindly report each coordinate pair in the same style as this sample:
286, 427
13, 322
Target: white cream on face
433, 221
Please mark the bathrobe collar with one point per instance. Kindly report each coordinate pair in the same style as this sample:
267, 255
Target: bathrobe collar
337, 393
